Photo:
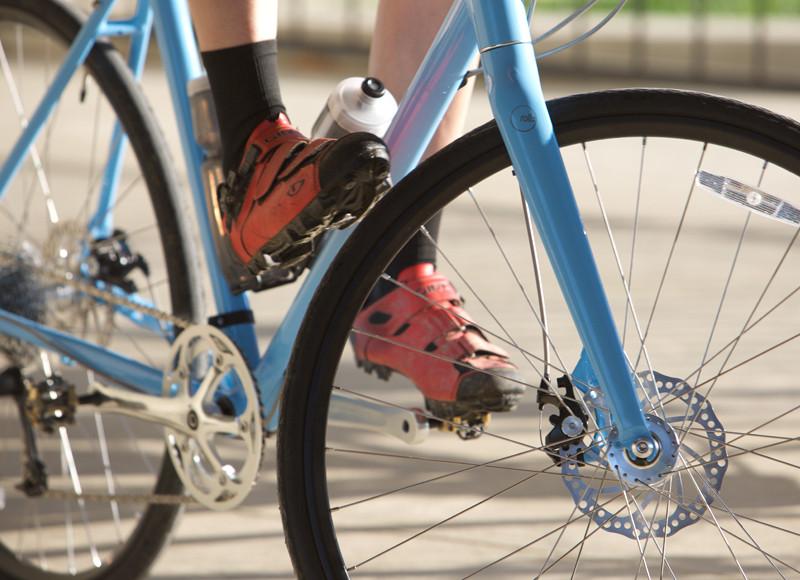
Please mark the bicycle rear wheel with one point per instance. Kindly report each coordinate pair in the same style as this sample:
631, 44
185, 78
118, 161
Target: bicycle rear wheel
673, 188
47, 213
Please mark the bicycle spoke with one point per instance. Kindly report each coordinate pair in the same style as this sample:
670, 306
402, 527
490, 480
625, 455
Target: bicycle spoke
700, 461
537, 277
446, 359
38, 527
637, 207
727, 510
78, 489
92, 178
110, 484
489, 464
583, 541
529, 303
448, 519
626, 285
747, 326
510, 268
746, 361
455, 426
674, 244
756, 453
470, 467
701, 516
713, 517
526, 353
635, 531
576, 546
648, 538
722, 301
664, 538
509, 339
33, 152
693, 430
68, 528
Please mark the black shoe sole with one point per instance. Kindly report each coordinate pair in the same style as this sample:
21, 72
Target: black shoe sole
499, 392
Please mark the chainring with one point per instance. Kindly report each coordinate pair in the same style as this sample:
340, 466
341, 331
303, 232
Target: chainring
219, 456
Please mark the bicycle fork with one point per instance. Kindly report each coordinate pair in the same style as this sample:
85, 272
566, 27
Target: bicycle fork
515, 94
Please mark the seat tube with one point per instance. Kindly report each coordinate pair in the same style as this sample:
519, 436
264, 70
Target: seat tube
507, 56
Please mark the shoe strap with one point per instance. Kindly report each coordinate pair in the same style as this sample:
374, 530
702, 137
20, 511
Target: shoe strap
456, 336
311, 149
436, 304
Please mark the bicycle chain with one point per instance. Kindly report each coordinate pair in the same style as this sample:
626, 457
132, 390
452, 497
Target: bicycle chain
69, 279
135, 498
114, 299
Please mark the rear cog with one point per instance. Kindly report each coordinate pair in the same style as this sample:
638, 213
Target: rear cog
68, 309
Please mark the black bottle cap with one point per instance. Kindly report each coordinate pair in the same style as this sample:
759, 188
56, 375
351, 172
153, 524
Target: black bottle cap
373, 87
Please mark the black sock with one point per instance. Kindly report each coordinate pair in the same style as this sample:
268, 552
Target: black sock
419, 250
244, 82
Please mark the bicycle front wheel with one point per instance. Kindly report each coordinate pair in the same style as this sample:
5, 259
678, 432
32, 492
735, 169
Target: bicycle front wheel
690, 204
98, 518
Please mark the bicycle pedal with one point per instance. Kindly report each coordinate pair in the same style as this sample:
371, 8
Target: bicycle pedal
467, 427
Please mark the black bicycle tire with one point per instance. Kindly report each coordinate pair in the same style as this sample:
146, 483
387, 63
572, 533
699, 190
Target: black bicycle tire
473, 157
109, 70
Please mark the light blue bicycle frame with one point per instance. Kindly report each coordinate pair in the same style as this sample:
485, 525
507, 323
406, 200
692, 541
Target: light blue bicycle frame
499, 30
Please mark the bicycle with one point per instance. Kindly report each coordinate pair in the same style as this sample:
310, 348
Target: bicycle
641, 451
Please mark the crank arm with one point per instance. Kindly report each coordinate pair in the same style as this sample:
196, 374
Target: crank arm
352, 412
172, 412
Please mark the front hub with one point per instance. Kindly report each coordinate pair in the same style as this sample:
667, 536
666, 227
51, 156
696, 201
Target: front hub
651, 467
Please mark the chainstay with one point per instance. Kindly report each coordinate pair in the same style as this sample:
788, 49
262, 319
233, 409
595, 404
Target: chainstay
134, 498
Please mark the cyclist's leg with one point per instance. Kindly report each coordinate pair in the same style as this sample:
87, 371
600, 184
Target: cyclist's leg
418, 306
279, 187
403, 33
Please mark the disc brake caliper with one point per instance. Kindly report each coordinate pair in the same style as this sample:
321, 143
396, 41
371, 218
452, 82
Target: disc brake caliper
568, 419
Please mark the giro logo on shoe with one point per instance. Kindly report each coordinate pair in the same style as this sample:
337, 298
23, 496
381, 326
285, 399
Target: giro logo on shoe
295, 187
430, 288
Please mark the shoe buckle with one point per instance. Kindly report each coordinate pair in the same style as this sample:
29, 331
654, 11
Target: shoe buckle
230, 193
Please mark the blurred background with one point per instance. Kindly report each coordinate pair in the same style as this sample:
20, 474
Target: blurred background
753, 42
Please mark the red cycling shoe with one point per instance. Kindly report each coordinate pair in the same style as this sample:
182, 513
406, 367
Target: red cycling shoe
467, 375
287, 191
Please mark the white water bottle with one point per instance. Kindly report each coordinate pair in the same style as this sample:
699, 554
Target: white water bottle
356, 104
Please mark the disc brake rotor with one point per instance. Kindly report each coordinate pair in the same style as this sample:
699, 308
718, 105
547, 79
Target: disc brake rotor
672, 491
69, 309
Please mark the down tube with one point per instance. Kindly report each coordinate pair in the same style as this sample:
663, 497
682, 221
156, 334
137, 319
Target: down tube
519, 107
417, 118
